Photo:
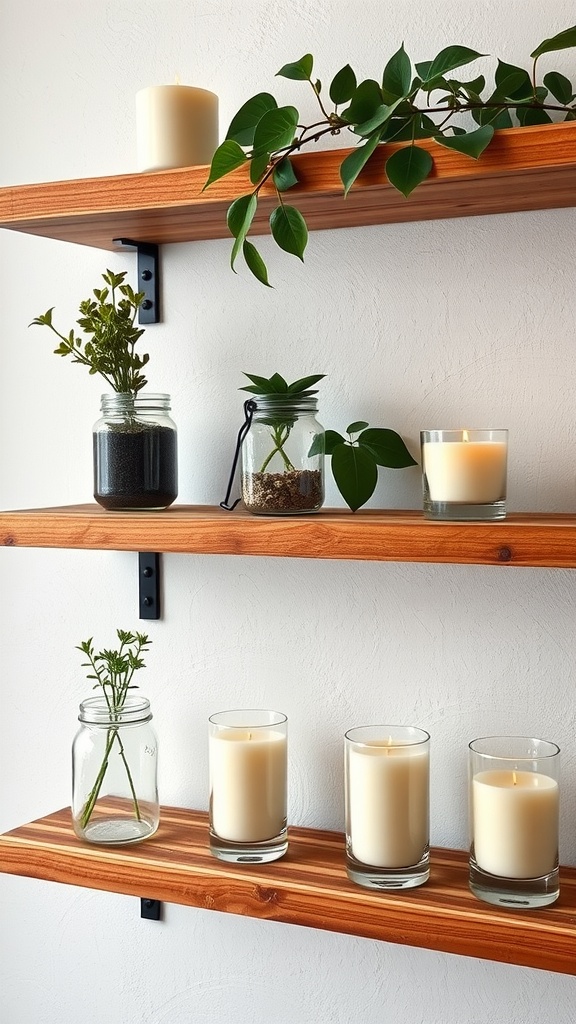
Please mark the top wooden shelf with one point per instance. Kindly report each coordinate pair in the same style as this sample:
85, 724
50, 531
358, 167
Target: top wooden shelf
524, 169
521, 539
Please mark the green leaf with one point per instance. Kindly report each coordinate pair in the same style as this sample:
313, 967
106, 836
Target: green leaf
262, 383
343, 85
509, 87
356, 426
504, 73
278, 383
497, 118
563, 41
299, 70
227, 158
283, 175
352, 165
326, 445
239, 218
397, 75
560, 86
448, 59
255, 263
471, 143
355, 473
365, 102
274, 130
304, 383
530, 116
243, 124
408, 167
258, 166
423, 67
382, 114
289, 230
387, 447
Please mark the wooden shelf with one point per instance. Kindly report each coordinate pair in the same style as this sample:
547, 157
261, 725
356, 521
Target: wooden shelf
308, 887
521, 539
524, 169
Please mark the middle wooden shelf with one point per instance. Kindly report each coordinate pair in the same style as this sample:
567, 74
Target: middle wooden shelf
522, 539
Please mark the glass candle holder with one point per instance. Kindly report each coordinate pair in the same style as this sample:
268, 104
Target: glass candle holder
464, 474
387, 806
248, 786
514, 811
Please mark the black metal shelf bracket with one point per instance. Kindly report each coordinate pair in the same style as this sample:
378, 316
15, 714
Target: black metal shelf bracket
151, 910
149, 584
148, 277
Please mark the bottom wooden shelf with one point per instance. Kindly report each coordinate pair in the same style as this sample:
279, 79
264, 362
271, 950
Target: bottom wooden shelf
308, 886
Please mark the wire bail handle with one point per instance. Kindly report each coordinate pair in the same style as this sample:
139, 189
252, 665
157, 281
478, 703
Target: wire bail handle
249, 410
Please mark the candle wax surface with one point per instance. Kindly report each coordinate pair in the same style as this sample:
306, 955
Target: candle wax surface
469, 472
248, 784
387, 799
515, 823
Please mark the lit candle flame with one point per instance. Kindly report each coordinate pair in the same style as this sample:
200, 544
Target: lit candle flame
513, 778
465, 435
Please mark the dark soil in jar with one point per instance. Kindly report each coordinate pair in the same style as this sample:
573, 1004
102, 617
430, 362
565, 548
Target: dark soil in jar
135, 466
299, 490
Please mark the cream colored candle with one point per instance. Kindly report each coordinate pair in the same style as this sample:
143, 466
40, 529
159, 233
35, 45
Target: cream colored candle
515, 823
466, 471
248, 771
176, 126
387, 799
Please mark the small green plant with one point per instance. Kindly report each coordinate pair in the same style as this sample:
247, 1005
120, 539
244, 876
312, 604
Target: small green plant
409, 102
109, 323
276, 389
355, 460
113, 672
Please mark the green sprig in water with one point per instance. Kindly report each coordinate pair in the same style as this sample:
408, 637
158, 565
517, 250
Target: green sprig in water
113, 671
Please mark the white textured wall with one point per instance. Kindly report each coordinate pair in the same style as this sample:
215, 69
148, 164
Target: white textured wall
415, 325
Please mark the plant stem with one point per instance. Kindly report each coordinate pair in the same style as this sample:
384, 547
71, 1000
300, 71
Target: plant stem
279, 442
95, 791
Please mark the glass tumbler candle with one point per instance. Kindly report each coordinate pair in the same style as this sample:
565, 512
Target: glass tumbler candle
464, 474
387, 806
248, 786
514, 810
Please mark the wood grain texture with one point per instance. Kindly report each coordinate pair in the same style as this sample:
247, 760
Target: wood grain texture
523, 169
308, 887
534, 539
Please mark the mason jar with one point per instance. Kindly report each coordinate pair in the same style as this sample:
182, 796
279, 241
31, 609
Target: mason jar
135, 452
114, 772
283, 456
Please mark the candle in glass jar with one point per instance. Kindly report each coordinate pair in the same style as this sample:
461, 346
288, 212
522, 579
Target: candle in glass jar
176, 126
464, 468
387, 799
248, 771
515, 823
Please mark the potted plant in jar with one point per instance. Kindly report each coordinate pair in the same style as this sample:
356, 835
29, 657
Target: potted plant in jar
283, 451
134, 442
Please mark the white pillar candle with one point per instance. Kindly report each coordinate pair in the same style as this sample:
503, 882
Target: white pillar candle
515, 823
248, 770
465, 470
176, 126
387, 798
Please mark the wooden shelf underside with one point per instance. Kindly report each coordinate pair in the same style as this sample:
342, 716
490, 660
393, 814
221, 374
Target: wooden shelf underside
529, 539
307, 887
524, 169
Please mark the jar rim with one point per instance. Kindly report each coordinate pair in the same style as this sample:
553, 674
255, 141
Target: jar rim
97, 711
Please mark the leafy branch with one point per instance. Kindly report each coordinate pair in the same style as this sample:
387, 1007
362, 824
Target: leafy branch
424, 101
113, 672
109, 323
355, 459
